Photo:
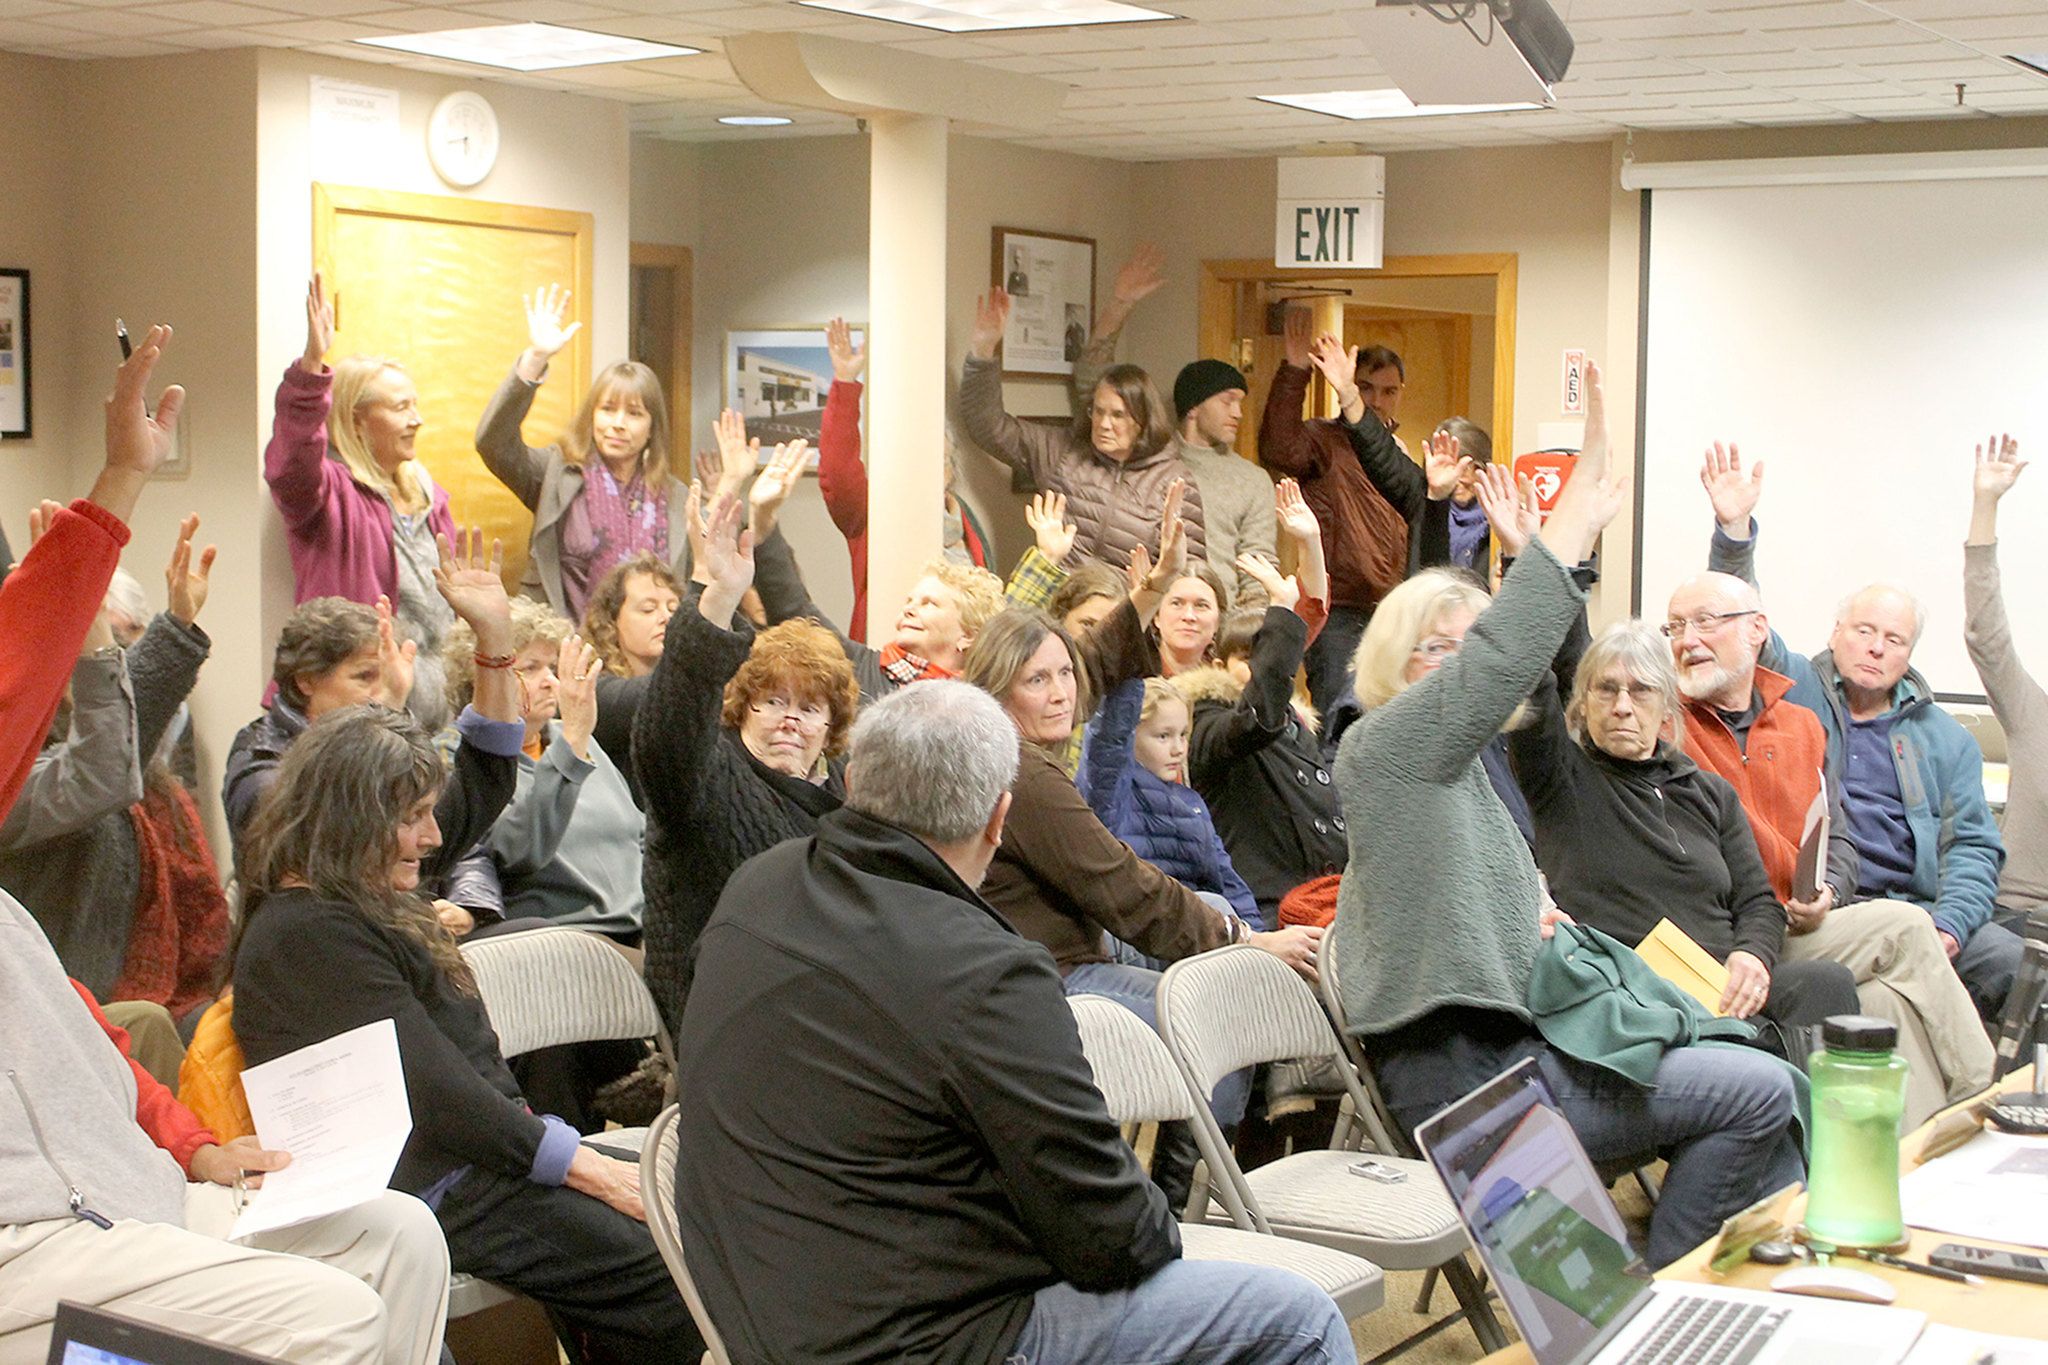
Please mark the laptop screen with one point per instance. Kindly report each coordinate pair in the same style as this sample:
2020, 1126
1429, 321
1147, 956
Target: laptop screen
1539, 1214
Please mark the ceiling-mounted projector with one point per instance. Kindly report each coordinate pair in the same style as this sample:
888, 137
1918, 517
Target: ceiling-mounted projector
1468, 51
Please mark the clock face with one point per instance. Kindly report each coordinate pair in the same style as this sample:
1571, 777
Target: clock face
462, 138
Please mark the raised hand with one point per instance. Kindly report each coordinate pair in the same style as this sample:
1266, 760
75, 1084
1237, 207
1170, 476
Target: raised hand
773, 485
1172, 561
1510, 508
1297, 331
1142, 275
1443, 465
737, 455
848, 360
991, 320
1998, 467
473, 584
1337, 363
394, 659
1281, 591
1138, 571
137, 442
1733, 490
187, 583
1046, 514
546, 336
41, 518
728, 561
1296, 517
693, 526
319, 325
576, 670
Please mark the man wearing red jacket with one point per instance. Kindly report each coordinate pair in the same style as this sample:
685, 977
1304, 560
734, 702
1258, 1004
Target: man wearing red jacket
94, 1155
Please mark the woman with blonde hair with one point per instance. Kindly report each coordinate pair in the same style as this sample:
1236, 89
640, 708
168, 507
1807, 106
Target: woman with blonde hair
603, 492
360, 512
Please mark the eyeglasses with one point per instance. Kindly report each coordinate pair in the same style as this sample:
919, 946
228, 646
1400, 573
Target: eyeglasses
1607, 692
810, 716
1706, 623
1437, 647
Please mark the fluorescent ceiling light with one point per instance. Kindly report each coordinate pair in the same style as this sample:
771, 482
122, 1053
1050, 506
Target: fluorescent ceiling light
2036, 62
1370, 104
991, 16
753, 120
529, 47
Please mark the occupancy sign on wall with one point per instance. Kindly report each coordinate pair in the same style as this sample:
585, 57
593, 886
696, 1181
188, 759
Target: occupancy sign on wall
1331, 211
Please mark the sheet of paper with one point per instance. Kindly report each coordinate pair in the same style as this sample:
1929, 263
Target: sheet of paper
340, 1109
1940, 1345
1995, 1186
1813, 846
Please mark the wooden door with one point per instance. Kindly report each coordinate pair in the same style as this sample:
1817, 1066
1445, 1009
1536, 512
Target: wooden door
1436, 353
659, 326
436, 283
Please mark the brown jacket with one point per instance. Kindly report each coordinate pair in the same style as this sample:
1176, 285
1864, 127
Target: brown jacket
1365, 540
1114, 504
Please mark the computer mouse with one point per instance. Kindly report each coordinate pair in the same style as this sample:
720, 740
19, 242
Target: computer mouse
1834, 1282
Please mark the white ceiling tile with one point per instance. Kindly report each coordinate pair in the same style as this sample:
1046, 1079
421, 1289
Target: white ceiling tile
546, 12
27, 9
116, 23
124, 47
215, 13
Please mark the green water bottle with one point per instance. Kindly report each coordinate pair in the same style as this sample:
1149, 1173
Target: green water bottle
1859, 1099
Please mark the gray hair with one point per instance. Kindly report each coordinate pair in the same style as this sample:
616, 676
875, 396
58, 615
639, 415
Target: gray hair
933, 758
1912, 600
1644, 655
126, 598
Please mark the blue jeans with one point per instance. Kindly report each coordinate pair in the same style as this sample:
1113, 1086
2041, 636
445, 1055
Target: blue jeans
1208, 1312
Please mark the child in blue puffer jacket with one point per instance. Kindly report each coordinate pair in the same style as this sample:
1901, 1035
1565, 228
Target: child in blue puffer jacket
1135, 765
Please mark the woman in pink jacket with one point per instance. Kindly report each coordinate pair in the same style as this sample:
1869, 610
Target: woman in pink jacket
360, 511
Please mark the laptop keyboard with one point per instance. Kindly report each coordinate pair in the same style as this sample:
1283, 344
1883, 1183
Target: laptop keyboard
1692, 1330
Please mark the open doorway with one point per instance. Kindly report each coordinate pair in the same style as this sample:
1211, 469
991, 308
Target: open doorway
659, 322
1450, 318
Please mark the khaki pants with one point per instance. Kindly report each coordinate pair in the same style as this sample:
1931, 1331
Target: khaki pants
365, 1287
1903, 975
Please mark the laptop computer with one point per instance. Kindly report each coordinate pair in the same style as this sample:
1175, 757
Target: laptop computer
92, 1336
1558, 1250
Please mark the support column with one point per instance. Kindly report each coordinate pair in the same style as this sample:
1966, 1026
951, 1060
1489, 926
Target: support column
906, 394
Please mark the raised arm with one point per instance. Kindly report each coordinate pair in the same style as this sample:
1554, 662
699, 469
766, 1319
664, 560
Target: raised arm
486, 769
505, 453
1043, 568
1285, 446
303, 481
1396, 476
1109, 762
529, 834
163, 666
1261, 713
842, 478
2018, 701
1136, 280
1030, 450
95, 771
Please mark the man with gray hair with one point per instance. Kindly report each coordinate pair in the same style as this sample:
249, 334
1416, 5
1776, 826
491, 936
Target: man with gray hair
1912, 779
892, 1146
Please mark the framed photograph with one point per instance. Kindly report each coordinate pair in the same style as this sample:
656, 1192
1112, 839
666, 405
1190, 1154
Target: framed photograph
778, 380
17, 413
1050, 277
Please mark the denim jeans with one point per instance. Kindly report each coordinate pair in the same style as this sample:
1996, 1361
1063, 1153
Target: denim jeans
1207, 1312
1990, 963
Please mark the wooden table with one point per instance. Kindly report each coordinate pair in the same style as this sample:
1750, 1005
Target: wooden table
2007, 1307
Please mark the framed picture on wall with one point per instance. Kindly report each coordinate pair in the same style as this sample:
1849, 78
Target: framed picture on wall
1050, 277
778, 379
17, 413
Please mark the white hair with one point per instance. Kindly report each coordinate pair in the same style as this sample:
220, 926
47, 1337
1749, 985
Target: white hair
126, 598
1912, 600
933, 758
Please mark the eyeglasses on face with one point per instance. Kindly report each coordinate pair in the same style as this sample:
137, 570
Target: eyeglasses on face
1437, 646
1705, 623
1607, 692
810, 716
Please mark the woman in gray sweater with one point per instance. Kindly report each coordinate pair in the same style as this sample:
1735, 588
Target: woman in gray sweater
1440, 912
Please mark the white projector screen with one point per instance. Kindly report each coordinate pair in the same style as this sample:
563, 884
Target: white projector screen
1860, 339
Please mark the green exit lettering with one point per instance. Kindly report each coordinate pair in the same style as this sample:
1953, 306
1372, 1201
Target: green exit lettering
1325, 235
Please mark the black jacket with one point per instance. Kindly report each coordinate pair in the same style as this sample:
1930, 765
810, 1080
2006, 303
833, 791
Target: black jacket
890, 1139
710, 804
1259, 767
1626, 844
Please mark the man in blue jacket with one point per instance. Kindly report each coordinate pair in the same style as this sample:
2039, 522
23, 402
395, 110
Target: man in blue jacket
1913, 778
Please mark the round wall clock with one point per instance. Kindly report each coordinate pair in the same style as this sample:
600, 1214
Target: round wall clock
462, 138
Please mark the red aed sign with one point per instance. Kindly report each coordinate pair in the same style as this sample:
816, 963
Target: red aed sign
1547, 470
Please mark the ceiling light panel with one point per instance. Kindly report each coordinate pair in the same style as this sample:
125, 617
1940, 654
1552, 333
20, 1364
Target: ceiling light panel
992, 16
1375, 104
528, 47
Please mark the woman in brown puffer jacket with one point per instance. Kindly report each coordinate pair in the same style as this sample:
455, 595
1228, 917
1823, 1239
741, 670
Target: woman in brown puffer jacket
1113, 463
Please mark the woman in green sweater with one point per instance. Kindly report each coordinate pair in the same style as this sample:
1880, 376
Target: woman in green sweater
1440, 912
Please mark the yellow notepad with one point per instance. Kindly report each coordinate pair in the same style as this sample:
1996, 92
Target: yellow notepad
1671, 954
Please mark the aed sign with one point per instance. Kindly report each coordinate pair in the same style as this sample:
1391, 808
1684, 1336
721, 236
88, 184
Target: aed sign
1331, 211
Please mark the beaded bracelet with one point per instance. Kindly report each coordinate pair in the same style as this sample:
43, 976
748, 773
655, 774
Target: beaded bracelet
495, 660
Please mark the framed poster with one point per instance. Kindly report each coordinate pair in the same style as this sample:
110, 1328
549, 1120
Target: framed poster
16, 411
1051, 282
778, 380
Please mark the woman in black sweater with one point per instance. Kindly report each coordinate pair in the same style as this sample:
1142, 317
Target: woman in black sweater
1630, 831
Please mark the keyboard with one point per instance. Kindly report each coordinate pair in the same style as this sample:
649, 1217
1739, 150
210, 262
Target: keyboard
1703, 1331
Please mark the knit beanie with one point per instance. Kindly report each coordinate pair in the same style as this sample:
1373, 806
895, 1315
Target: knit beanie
1201, 381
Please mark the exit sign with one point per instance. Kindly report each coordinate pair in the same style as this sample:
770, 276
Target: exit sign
1331, 211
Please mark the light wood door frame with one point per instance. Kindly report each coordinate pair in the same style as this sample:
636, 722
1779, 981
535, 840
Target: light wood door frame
681, 260
1216, 319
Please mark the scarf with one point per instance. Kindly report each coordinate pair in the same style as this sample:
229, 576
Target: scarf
623, 521
179, 938
1468, 532
900, 666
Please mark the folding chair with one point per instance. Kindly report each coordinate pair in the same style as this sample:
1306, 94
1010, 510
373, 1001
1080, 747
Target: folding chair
1140, 1084
545, 988
1222, 1011
658, 1196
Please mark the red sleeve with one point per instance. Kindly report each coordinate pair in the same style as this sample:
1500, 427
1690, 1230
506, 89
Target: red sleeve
1315, 614
170, 1125
1285, 446
842, 478
48, 603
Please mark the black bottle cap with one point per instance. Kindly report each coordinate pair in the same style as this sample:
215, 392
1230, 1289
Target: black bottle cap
1859, 1033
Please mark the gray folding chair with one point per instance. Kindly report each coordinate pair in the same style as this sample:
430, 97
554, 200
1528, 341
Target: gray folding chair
544, 988
1222, 1011
658, 1196
1140, 1084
